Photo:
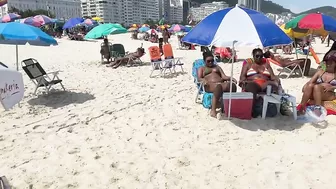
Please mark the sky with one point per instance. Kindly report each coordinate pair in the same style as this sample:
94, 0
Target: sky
298, 6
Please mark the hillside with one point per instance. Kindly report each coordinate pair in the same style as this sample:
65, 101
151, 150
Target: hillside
266, 6
328, 10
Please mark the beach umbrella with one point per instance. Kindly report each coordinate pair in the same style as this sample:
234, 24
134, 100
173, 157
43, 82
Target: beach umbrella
236, 26
134, 26
145, 25
11, 87
43, 19
90, 22
72, 22
300, 33
14, 33
312, 21
104, 30
153, 31
187, 28
177, 28
10, 17
98, 19
143, 29
31, 21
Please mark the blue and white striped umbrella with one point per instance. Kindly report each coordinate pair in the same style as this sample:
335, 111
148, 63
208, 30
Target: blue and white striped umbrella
244, 26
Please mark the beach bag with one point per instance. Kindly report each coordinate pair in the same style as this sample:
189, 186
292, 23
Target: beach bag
272, 110
207, 100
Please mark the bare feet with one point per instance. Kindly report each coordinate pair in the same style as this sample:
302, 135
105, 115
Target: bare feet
301, 111
213, 113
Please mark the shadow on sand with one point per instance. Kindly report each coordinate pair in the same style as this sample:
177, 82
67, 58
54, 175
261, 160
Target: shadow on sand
58, 99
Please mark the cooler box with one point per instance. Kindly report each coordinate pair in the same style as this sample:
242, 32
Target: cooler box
241, 105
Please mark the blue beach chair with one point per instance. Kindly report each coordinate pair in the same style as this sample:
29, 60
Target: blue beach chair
206, 97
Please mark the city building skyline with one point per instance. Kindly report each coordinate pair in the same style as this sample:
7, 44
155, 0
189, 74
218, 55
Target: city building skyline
251, 4
205, 9
60, 8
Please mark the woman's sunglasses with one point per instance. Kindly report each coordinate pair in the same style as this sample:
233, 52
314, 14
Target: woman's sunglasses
259, 56
210, 61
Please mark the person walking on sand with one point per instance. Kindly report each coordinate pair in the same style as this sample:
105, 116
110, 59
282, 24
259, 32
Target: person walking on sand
165, 35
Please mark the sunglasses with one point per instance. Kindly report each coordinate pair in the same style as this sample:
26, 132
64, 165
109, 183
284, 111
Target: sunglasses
210, 60
258, 56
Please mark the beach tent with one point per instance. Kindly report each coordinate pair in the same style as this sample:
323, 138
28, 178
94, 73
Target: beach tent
11, 87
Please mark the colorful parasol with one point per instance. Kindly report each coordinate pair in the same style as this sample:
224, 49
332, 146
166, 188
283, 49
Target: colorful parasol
300, 33
43, 19
31, 21
10, 17
313, 21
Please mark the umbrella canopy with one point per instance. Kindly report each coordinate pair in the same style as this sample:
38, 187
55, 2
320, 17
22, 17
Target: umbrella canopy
31, 21
313, 21
177, 28
90, 22
72, 22
104, 30
145, 25
134, 26
98, 19
152, 31
300, 33
15, 33
221, 29
11, 87
143, 29
10, 17
43, 19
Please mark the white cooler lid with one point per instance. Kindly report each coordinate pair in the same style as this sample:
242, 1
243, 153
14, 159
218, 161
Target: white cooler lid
241, 95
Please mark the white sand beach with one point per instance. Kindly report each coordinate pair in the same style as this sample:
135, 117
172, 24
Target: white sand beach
121, 129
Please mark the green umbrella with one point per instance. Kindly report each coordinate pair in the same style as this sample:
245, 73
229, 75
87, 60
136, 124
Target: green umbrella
104, 30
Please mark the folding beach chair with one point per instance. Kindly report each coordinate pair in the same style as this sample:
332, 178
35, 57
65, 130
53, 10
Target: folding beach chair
200, 86
169, 57
135, 60
118, 51
39, 77
157, 63
4, 184
293, 69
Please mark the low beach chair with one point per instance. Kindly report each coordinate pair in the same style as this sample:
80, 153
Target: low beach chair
39, 77
293, 69
157, 63
118, 51
4, 184
135, 60
170, 59
200, 86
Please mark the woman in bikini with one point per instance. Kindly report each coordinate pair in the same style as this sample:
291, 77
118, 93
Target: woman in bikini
214, 80
321, 86
257, 75
138, 54
288, 62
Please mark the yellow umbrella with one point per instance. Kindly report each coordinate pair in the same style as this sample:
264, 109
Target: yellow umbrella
96, 18
294, 34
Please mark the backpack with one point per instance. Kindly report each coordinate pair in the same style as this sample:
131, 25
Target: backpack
272, 110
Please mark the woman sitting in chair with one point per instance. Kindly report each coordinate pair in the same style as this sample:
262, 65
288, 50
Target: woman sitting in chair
214, 80
257, 75
129, 57
284, 62
321, 86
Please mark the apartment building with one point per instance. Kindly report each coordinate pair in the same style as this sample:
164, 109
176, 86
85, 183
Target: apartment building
251, 4
176, 11
122, 11
60, 8
205, 9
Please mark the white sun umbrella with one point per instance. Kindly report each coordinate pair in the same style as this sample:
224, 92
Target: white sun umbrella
236, 26
11, 87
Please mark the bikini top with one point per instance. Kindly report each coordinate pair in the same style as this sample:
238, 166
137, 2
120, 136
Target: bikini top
320, 80
252, 72
209, 70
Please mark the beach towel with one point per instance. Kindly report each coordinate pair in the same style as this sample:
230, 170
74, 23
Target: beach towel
330, 106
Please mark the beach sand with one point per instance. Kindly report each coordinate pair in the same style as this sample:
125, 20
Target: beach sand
121, 129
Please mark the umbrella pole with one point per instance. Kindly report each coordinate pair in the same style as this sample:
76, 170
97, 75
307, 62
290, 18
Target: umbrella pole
17, 57
230, 94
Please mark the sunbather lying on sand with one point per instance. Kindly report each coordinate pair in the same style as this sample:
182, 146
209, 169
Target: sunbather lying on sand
129, 57
215, 81
288, 62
